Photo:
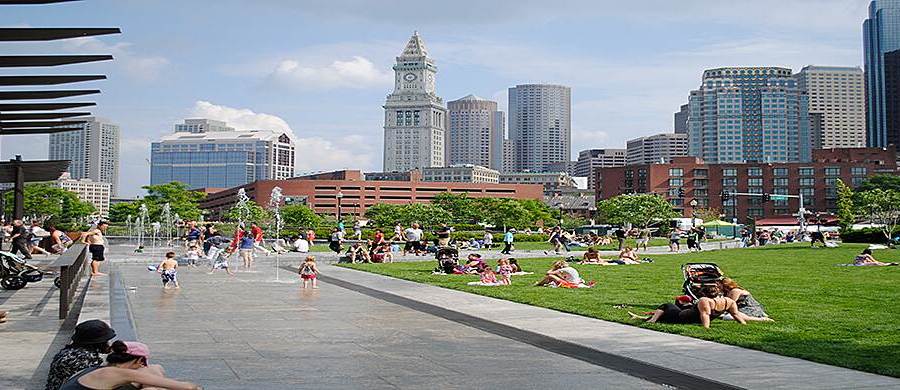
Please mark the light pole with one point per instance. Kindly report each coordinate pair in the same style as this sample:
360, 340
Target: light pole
693, 204
339, 196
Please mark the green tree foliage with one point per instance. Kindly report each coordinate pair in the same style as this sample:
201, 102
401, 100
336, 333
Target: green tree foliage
54, 205
845, 208
183, 202
119, 212
707, 214
255, 213
881, 181
455, 209
299, 215
638, 209
881, 207
386, 215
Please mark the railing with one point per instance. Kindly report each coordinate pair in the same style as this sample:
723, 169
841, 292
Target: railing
71, 266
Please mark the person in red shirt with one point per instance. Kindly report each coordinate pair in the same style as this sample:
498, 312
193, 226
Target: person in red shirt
257, 233
379, 238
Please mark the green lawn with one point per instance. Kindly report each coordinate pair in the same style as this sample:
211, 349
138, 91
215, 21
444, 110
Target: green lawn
844, 316
544, 245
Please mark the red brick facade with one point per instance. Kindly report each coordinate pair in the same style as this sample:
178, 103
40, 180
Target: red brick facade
705, 182
320, 192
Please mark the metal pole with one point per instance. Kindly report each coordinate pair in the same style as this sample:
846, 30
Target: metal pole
734, 218
19, 190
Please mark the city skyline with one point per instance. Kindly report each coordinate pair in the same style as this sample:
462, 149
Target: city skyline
327, 77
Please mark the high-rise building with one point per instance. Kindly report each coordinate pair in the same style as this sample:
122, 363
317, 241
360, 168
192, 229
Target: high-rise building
509, 156
93, 150
414, 115
881, 41
540, 125
657, 149
592, 159
749, 114
201, 125
681, 118
222, 159
837, 105
475, 135
94, 192
463, 173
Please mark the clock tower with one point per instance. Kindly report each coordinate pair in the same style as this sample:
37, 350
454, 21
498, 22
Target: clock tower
414, 116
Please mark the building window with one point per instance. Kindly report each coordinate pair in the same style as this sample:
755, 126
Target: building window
729, 172
780, 181
754, 171
729, 181
676, 202
807, 171
676, 172
755, 212
858, 171
857, 181
832, 171
807, 181
701, 192
702, 183
701, 172
676, 182
780, 171
831, 182
755, 181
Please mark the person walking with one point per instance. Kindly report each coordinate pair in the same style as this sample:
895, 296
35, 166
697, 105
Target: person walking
443, 235
20, 239
413, 236
508, 239
357, 230
487, 240
336, 240
620, 237
257, 233
96, 245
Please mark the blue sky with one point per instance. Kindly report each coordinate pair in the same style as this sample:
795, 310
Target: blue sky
322, 68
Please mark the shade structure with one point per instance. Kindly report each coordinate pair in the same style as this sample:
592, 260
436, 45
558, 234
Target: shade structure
29, 2
35, 124
36, 116
48, 79
51, 33
41, 106
717, 223
36, 130
50, 94
49, 60
721, 228
19, 172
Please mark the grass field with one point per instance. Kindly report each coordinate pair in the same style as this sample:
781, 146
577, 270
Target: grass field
543, 245
844, 316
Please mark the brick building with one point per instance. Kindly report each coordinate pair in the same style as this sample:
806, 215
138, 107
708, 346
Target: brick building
705, 182
320, 191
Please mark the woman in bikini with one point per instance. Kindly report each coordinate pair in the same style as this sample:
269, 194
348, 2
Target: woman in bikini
710, 306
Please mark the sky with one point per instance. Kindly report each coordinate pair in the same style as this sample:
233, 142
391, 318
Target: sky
322, 69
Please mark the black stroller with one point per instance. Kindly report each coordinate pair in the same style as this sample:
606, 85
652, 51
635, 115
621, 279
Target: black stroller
447, 259
699, 275
15, 273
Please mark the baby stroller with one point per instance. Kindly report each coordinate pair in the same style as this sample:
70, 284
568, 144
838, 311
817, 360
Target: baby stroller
15, 273
699, 275
447, 259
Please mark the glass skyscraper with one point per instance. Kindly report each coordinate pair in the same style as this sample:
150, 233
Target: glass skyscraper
749, 114
221, 159
881, 41
93, 150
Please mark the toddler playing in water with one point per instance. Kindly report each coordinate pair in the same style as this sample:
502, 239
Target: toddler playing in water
308, 272
168, 270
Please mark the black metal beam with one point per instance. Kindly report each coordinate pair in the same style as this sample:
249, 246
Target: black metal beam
29, 2
47, 80
36, 130
33, 95
41, 106
36, 124
51, 33
31, 116
49, 60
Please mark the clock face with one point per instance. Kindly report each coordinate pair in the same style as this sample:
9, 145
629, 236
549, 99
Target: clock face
409, 77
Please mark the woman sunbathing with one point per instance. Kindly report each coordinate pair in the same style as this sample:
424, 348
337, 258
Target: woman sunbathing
562, 275
592, 257
866, 259
710, 306
745, 302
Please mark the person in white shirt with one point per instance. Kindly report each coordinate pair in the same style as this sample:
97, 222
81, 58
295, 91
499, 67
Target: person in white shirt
562, 275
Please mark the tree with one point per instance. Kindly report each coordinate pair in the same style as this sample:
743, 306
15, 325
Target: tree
119, 212
882, 207
708, 214
504, 212
298, 215
49, 203
182, 201
254, 213
462, 209
845, 209
637, 209
881, 181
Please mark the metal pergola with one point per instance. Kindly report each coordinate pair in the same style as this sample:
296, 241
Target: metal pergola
29, 108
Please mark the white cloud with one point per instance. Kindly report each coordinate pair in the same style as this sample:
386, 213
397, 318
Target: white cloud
139, 67
313, 153
357, 72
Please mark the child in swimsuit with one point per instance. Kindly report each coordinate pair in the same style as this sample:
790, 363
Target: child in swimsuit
505, 270
221, 260
308, 272
168, 270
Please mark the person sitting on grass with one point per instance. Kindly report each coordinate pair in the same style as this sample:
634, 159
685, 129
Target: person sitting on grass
505, 270
562, 275
710, 306
628, 256
473, 264
382, 254
592, 256
866, 259
516, 268
357, 253
126, 367
745, 302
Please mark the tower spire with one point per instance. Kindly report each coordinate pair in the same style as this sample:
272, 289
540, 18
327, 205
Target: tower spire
415, 47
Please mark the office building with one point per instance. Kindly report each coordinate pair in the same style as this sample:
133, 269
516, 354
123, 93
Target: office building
704, 182
463, 173
509, 156
540, 125
553, 182
414, 115
96, 193
475, 133
320, 192
837, 105
592, 159
657, 149
93, 150
881, 45
202, 125
222, 159
749, 114
681, 118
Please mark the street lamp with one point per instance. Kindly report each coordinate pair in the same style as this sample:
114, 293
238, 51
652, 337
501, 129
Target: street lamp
693, 204
339, 196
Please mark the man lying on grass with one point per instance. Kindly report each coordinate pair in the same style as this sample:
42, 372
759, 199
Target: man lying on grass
710, 306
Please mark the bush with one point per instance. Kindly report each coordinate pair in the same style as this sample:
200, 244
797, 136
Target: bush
865, 236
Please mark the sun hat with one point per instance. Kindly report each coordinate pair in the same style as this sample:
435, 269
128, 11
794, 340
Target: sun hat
92, 332
137, 349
